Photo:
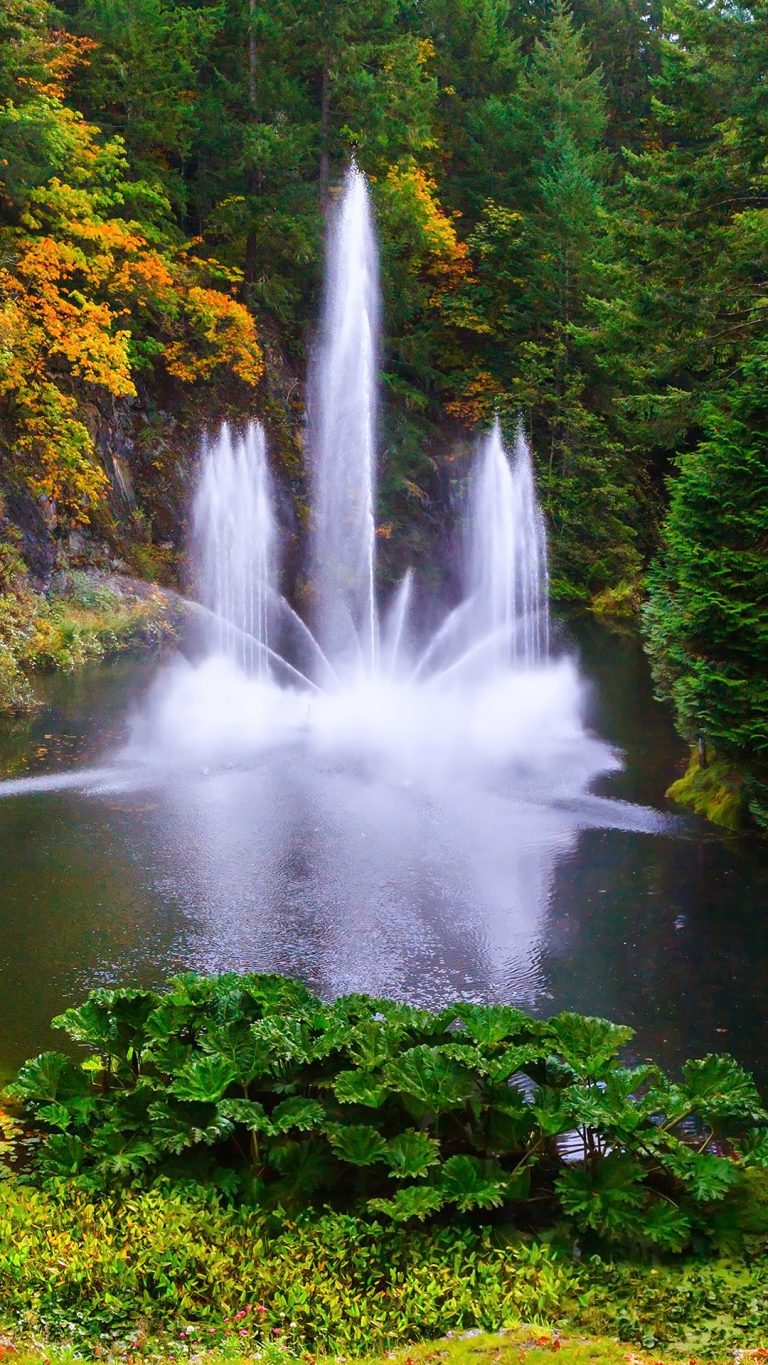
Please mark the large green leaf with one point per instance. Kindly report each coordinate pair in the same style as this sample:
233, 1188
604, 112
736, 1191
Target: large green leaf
491, 1024
112, 1022
326, 1033
62, 1154
306, 1166
374, 1042
122, 1157
611, 1107
719, 1088
171, 1020
411, 1154
753, 1149
509, 1061
358, 1143
176, 1125
48, 1078
246, 1114
414, 1201
605, 1196
470, 1183
283, 1041
56, 1115
359, 1087
468, 1056
270, 994
551, 1113
236, 1044
706, 1176
508, 1121
588, 1045
666, 1226
299, 1114
437, 1081
205, 1079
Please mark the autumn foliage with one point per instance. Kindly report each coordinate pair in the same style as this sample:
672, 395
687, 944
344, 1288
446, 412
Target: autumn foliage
89, 297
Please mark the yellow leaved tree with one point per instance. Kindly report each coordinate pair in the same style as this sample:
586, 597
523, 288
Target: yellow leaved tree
88, 295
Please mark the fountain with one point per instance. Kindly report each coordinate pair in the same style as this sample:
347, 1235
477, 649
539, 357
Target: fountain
343, 437
501, 626
507, 577
235, 543
483, 702
346, 798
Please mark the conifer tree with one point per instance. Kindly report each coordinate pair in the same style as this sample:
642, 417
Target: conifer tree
707, 618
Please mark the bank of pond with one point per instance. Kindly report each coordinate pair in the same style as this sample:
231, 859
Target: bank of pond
232, 1157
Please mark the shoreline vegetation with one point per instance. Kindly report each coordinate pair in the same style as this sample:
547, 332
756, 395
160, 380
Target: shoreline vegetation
86, 615
714, 791
207, 1185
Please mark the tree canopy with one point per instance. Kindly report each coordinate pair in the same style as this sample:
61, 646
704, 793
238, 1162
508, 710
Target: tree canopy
572, 201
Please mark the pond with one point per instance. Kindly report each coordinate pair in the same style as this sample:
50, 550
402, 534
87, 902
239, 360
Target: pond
355, 881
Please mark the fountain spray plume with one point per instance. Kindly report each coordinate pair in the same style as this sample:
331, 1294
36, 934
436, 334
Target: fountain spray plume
343, 436
479, 698
506, 555
236, 544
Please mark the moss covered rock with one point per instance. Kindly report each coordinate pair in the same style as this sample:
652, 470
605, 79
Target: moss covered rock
714, 791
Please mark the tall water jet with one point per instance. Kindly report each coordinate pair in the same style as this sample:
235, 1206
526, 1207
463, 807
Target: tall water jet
343, 435
236, 546
507, 575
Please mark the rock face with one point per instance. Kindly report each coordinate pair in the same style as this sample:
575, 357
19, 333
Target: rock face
36, 542
149, 447
113, 429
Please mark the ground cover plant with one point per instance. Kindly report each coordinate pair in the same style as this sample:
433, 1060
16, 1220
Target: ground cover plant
254, 1088
525, 1345
169, 1274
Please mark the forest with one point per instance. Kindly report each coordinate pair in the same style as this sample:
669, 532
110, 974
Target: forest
572, 201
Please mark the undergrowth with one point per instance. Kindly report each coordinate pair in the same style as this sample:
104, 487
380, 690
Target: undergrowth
86, 621
253, 1087
162, 1273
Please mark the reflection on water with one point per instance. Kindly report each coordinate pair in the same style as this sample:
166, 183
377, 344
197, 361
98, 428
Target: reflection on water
317, 868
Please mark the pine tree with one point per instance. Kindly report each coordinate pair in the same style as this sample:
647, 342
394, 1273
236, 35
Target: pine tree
707, 617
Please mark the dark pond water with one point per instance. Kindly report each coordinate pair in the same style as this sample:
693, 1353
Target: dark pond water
356, 884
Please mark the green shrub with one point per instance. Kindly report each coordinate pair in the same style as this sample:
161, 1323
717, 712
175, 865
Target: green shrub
18, 610
15, 691
253, 1086
622, 601
85, 591
94, 623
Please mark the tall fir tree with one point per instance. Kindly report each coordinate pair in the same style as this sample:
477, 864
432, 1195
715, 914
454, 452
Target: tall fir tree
707, 616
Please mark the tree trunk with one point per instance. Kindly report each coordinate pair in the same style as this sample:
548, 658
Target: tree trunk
252, 53
250, 263
325, 116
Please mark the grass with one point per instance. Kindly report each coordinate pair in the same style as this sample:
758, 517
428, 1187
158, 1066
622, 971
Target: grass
516, 1346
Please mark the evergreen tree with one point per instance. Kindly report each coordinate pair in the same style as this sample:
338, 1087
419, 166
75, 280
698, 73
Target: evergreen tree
707, 618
